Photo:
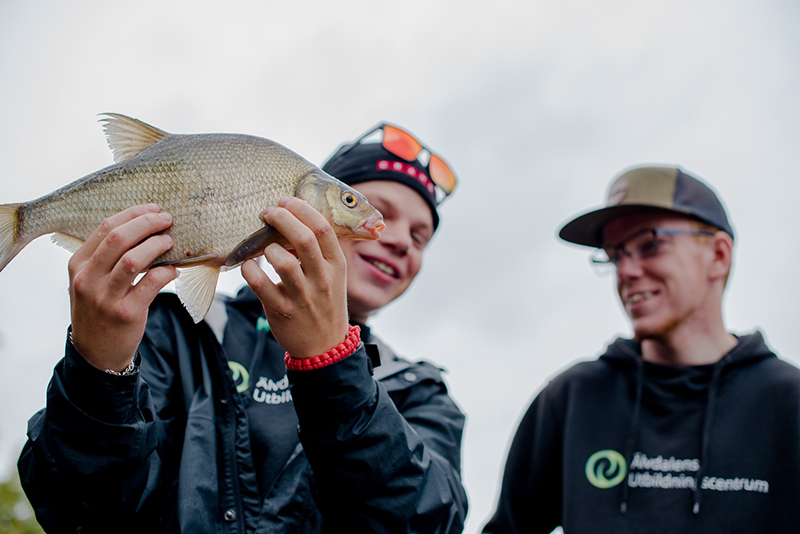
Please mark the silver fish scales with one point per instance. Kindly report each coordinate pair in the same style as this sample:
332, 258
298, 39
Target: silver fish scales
215, 186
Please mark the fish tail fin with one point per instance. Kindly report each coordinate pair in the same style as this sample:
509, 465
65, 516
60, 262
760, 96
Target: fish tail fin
196, 287
10, 242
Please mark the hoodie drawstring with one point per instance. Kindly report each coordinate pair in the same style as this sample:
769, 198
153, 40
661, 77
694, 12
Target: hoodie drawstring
713, 387
633, 432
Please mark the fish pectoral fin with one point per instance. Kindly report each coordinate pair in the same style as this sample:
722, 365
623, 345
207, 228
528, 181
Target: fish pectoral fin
127, 137
67, 241
254, 245
196, 287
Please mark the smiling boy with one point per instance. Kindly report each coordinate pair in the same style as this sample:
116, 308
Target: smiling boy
684, 428
156, 424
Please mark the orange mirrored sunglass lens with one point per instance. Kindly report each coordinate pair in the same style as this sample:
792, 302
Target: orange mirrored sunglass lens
400, 143
441, 174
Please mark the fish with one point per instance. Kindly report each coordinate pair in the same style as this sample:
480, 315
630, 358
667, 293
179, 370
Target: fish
215, 185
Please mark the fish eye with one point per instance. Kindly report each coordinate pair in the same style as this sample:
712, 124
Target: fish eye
349, 199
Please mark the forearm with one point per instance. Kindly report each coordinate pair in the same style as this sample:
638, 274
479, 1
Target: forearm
370, 464
89, 449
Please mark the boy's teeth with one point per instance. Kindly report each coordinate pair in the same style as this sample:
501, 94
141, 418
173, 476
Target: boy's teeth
638, 297
383, 267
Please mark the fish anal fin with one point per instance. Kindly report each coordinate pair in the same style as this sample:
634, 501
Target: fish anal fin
127, 137
196, 287
67, 241
254, 245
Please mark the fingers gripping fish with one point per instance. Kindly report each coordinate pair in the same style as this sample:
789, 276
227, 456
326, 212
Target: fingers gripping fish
215, 186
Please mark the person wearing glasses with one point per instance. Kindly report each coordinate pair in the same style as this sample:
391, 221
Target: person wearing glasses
271, 415
684, 428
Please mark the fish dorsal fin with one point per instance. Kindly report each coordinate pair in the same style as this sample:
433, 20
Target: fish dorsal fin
196, 287
127, 137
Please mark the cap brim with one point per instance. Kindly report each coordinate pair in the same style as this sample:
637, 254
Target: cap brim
587, 229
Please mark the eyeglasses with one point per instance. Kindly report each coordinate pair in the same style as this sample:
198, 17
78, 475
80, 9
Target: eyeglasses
641, 245
405, 146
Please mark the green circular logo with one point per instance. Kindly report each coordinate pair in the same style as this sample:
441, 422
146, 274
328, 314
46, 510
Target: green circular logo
606, 468
240, 373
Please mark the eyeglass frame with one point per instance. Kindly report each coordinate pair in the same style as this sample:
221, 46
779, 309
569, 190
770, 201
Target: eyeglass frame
620, 247
380, 126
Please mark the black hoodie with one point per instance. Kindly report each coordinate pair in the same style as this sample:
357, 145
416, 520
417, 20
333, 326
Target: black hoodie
623, 445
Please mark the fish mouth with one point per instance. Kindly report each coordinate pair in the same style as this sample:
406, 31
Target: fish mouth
375, 226
370, 230
384, 267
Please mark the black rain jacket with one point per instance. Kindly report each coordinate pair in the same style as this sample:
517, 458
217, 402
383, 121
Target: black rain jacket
166, 449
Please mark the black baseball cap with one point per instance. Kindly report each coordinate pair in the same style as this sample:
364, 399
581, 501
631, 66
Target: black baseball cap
366, 162
646, 190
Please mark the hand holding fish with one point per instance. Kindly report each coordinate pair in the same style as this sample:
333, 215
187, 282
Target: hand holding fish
108, 311
307, 309
216, 187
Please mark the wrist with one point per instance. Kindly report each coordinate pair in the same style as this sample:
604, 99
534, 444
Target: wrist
337, 353
128, 370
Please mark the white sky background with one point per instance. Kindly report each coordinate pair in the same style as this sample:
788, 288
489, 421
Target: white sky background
537, 105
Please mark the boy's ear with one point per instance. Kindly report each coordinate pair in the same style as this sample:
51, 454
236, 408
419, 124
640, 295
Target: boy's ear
722, 245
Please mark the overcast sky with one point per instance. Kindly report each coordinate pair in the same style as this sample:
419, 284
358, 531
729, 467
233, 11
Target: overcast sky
536, 104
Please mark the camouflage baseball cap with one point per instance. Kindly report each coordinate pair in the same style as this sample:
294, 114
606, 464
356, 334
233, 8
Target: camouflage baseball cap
649, 189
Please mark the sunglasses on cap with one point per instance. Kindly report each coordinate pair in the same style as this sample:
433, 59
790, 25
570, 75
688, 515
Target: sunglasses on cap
405, 146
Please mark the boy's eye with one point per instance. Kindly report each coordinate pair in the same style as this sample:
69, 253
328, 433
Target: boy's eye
648, 248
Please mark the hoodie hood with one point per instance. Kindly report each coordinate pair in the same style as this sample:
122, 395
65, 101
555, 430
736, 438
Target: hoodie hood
749, 349
680, 386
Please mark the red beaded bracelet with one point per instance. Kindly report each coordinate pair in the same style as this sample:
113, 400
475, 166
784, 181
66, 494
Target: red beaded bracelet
337, 353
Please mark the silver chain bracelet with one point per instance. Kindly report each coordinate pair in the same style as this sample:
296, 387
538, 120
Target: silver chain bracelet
125, 372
